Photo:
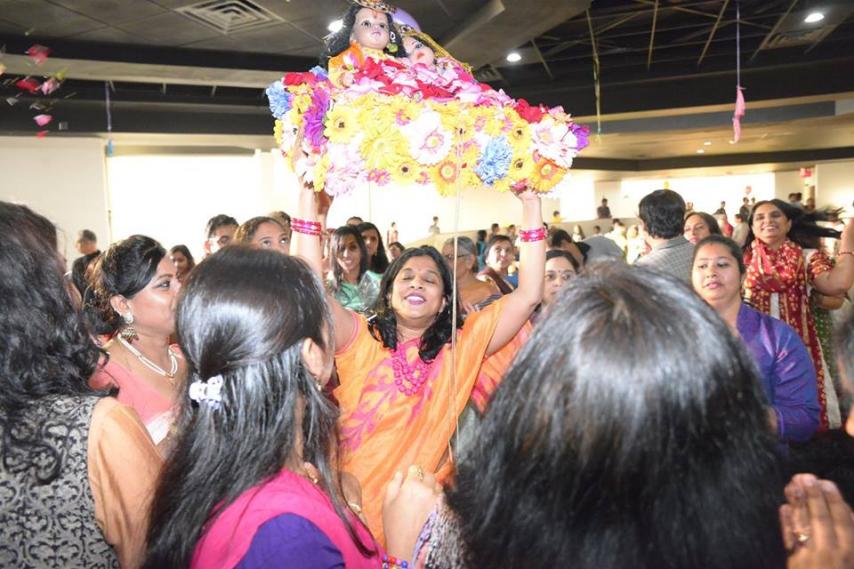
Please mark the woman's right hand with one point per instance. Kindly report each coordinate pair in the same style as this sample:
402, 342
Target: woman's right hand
818, 526
408, 503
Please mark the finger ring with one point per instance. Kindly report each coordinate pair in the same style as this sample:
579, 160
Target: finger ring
802, 537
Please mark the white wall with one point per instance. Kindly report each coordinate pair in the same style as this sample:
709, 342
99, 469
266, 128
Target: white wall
60, 178
835, 185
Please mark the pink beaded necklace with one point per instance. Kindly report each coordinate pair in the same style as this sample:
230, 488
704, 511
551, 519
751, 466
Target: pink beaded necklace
409, 378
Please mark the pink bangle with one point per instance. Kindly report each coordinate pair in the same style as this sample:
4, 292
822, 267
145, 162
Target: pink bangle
532, 235
306, 227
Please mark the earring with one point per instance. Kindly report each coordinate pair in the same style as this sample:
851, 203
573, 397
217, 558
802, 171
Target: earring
128, 333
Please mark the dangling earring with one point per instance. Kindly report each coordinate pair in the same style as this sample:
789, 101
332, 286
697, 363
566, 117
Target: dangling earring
392, 46
128, 333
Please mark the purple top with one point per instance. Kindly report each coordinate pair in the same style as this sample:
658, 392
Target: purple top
290, 540
787, 372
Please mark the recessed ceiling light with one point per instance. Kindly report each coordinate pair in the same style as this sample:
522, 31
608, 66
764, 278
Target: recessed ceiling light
514, 57
701, 151
335, 25
814, 17
707, 143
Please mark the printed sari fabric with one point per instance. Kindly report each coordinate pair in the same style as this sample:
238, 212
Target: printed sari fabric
384, 430
777, 284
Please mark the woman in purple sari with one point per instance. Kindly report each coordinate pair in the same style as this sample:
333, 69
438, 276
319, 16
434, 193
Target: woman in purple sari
787, 372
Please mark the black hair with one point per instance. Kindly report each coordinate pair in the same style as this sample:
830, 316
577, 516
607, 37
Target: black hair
663, 214
561, 254
731, 246
339, 41
125, 269
711, 222
217, 221
243, 316
384, 326
87, 235
397, 244
600, 448
246, 232
46, 349
335, 243
493, 241
804, 231
379, 262
184, 250
481, 234
558, 237
355, 218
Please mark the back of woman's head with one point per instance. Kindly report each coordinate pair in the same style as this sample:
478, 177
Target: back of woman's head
624, 435
243, 319
124, 270
45, 347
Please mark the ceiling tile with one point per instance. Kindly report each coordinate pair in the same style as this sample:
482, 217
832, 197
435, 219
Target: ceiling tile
169, 28
273, 39
46, 19
112, 11
111, 35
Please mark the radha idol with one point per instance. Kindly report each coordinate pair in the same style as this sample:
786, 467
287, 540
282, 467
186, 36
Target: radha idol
390, 107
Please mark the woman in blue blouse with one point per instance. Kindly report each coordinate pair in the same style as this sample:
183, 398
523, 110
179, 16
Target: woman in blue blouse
787, 372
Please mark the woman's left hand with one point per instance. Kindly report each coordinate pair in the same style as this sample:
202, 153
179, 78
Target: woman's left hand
408, 503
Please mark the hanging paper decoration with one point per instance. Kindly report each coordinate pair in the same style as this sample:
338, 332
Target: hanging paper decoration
42, 120
738, 115
38, 53
740, 106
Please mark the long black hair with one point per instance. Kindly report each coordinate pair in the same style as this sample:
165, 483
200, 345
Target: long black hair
711, 222
125, 269
804, 231
383, 326
339, 41
379, 262
335, 243
184, 250
244, 315
46, 349
614, 442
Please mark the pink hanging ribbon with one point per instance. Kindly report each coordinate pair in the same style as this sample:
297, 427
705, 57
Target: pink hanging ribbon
740, 107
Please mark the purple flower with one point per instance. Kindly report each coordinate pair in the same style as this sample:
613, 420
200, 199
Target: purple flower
582, 134
315, 117
319, 72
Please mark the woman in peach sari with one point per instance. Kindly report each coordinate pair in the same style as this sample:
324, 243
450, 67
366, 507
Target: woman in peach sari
403, 387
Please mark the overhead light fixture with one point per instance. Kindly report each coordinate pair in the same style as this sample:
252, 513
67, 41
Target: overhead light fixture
335, 26
707, 143
514, 57
814, 17
701, 151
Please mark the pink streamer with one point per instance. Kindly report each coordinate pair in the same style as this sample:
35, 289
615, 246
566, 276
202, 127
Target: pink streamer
740, 108
42, 120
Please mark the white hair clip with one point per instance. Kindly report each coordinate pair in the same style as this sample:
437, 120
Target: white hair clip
209, 391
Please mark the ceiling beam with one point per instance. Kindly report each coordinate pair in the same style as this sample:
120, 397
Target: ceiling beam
773, 31
712, 33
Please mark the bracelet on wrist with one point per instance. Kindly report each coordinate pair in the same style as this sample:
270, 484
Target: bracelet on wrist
390, 562
532, 235
306, 227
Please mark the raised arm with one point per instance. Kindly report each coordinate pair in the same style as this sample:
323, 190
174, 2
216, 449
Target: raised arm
838, 280
520, 304
312, 208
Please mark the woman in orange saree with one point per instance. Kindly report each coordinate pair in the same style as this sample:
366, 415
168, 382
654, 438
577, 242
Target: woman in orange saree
403, 385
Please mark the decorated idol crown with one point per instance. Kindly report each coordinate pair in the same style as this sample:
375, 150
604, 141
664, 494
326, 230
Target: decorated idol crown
377, 5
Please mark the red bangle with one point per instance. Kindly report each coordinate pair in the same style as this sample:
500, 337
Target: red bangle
532, 235
306, 227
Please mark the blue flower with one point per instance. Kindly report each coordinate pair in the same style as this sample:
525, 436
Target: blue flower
495, 162
319, 72
280, 100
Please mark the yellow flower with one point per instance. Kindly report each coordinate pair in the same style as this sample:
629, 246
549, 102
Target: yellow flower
403, 111
446, 177
406, 173
301, 103
320, 170
277, 132
498, 122
383, 150
545, 175
521, 169
341, 124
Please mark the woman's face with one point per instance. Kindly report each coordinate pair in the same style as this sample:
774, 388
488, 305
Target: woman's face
559, 271
770, 224
271, 236
181, 263
395, 251
464, 260
370, 29
696, 229
417, 291
715, 275
349, 255
417, 52
153, 307
372, 241
500, 256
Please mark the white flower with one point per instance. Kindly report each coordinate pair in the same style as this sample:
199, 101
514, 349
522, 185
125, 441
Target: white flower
347, 169
429, 143
555, 141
